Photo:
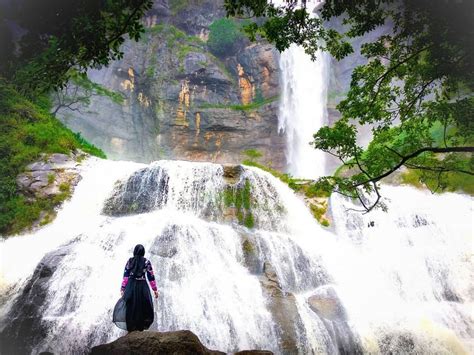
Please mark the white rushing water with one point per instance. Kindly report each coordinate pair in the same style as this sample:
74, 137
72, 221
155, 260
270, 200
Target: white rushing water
403, 285
303, 107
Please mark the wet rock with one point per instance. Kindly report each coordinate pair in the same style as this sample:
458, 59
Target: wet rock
326, 304
251, 257
25, 328
282, 306
232, 173
145, 190
397, 342
165, 245
182, 342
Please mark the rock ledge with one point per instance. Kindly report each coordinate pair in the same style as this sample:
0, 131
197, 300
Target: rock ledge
181, 342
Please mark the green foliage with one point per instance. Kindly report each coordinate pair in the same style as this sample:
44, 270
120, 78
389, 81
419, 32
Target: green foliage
65, 34
83, 81
50, 178
252, 154
417, 79
238, 107
240, 197
259, 98
179, 42
224, 36
249, 222
28, 129
317, 211
286, 24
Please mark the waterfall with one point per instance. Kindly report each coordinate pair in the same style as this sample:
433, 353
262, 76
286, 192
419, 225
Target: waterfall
303, 108
282, 283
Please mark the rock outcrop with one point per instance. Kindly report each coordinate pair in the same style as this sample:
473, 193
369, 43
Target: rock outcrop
52, 178
25, 328
179, 100
182, 342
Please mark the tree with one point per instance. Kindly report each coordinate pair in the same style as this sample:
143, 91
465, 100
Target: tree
415, 92
57, 35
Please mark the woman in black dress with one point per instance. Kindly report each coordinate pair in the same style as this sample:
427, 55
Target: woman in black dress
135, 291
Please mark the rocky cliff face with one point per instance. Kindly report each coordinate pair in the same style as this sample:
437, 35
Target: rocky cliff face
181, 101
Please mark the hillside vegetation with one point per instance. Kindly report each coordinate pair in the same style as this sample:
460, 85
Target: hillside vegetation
27, 129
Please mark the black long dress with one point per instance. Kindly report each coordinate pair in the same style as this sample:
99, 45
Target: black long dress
137, 295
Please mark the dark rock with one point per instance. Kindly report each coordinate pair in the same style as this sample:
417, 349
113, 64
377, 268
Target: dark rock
232, 173
165, 245
145, 190
251, 255
25, 328
181, 342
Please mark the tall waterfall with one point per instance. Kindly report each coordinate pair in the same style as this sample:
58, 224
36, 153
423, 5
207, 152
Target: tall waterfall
283, 283
303, 108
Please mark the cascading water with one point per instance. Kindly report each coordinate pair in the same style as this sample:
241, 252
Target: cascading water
281, 283
303, 108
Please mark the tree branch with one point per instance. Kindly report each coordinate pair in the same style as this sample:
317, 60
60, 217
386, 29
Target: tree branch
435, 150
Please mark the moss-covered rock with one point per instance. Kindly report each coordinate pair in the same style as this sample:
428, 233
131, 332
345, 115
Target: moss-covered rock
46, 184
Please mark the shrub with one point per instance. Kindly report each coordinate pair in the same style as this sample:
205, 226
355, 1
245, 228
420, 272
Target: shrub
224, 36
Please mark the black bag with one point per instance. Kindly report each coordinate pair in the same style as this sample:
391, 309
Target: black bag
120, 314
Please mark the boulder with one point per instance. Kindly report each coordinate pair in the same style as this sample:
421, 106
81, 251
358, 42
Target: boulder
326, 304
181, 342
144, 191
232, 173
50, 176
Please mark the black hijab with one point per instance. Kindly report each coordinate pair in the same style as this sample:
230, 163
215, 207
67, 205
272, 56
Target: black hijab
137, 263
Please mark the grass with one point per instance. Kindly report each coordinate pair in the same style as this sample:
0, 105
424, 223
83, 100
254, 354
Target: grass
239, 107
253, 153
27, 129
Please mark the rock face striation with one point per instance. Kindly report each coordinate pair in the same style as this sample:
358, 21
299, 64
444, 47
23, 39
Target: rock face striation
182, 342
180, 101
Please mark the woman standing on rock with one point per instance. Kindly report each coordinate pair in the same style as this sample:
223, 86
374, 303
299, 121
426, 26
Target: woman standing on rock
135, 291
